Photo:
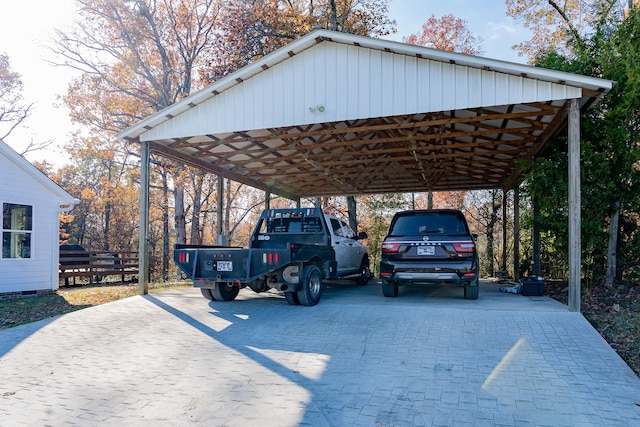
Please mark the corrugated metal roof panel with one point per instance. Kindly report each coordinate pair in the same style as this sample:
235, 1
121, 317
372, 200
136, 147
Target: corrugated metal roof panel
333, 82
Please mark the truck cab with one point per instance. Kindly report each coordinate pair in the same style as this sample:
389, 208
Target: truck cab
351, 253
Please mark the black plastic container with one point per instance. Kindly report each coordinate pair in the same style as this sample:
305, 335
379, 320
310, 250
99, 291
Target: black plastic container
533, 286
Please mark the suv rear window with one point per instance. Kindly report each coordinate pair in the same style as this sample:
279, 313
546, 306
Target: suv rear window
421, 223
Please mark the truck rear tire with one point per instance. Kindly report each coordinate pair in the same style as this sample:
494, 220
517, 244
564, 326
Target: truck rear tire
311, 286
389, 288
225, 291
206, 292
292, 298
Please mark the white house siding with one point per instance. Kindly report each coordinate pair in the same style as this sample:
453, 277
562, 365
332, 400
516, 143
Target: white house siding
40, 272
352, 82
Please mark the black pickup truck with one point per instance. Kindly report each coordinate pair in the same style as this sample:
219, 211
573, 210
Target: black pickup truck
291, 250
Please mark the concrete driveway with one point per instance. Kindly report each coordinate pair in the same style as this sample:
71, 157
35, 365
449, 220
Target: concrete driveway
427, 357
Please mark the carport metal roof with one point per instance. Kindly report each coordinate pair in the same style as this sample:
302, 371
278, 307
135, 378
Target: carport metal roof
340, 114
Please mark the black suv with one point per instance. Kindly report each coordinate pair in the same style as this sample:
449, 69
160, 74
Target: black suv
429, 246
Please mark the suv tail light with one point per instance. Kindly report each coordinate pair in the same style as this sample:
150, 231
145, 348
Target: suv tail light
390, 247
464, 247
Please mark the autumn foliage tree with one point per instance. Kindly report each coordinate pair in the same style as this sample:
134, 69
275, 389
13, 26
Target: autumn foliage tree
251, 29
136, 57
447, 33
13, 109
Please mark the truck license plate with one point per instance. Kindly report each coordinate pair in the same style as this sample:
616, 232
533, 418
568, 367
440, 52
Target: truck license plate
224, 266
426, 250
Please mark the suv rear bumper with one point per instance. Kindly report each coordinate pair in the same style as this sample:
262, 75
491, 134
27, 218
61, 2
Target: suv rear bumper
458, 272
427, 277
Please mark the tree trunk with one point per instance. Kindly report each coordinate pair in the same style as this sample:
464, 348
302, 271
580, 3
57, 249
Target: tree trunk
612, 255
536, 268
334, 15
491, 226
490, 246
179, 216
107, 223
196, 233
352, 209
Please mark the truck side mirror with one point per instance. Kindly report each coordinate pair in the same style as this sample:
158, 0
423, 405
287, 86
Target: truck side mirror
362, 235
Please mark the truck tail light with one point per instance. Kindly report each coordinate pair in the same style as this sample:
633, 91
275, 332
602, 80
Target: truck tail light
390, 247
183, 257
271, 258
464, 247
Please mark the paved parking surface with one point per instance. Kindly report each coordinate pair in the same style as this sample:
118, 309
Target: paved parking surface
425, 358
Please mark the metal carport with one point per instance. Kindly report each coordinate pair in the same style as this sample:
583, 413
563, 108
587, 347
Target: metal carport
339, 114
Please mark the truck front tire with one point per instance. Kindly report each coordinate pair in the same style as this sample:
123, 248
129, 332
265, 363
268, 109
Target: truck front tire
365, 272
311, 290
225, 292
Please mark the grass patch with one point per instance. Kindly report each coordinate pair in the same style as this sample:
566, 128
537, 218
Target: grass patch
19, 311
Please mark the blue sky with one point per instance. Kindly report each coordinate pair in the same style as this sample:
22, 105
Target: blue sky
25, 27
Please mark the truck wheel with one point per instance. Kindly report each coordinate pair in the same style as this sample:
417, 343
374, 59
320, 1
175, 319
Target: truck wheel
207, 294
292, 298
389, 288
311, 286
471, 290
365, 273
225, 291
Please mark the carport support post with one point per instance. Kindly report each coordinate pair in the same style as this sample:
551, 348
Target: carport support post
516, 233
143, 245
220, 237
574, 206
503, 267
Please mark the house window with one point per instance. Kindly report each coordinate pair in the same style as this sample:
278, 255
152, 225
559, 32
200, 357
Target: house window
16, 230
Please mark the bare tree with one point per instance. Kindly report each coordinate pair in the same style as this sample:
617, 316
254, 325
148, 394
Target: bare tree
13, 109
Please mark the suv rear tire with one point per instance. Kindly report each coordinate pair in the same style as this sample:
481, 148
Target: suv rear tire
471, 290
389, 288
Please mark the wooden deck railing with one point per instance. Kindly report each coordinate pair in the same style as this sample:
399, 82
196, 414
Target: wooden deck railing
96, 265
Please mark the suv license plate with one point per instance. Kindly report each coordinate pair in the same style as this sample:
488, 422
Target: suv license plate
426, 250
224, 266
